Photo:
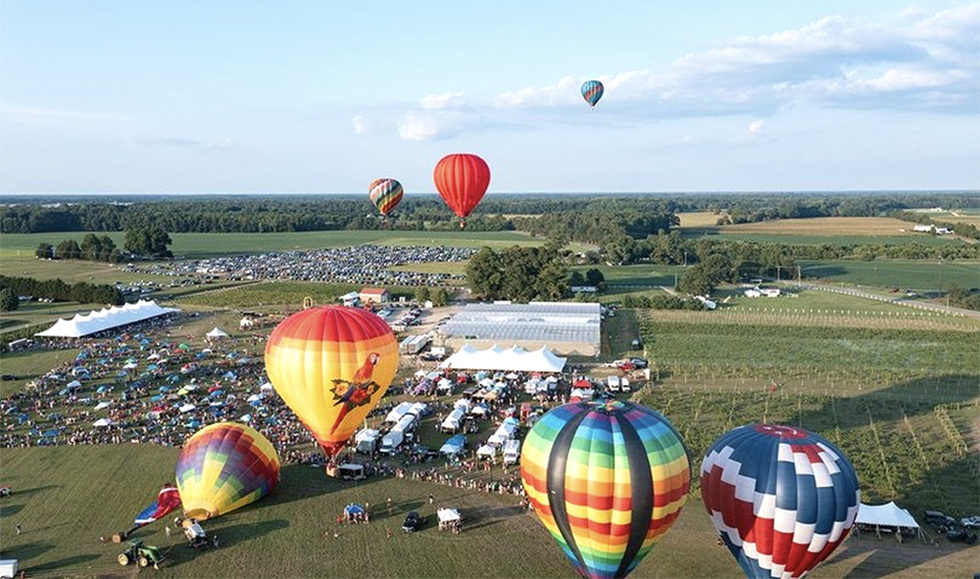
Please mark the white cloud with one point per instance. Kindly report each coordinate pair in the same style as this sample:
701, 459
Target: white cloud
920, 61
360, 124
756, 126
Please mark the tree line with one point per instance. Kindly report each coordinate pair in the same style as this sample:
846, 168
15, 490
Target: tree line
57, 290
150, 243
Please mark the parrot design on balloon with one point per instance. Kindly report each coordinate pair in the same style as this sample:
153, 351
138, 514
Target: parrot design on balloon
358, 391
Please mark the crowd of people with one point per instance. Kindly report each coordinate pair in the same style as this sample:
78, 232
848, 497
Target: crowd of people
364, 265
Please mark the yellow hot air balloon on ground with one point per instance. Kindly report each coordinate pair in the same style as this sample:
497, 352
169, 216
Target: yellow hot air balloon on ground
331, 365
225, 466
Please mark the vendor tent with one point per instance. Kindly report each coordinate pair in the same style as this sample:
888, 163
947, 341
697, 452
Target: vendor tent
217, 333
887, 516
104, 319
496, 358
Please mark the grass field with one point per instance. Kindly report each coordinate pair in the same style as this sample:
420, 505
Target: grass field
816, 231
201, 245
969, 215
921, 276
59, 501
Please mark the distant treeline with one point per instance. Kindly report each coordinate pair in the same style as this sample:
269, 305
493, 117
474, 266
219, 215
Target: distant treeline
58, 290
577, 217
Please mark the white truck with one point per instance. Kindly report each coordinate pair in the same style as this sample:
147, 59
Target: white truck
366, 440
613, 383
391, 441
512, 452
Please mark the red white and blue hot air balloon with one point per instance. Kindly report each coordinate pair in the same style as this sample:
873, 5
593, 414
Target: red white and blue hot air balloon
781, 498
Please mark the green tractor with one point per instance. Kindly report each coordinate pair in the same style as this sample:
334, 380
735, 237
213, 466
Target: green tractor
142, 554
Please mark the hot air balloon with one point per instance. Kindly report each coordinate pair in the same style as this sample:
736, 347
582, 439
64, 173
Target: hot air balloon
225, 466
592, 91
781, 498
385, 194
607, 479
331, 365
462, 180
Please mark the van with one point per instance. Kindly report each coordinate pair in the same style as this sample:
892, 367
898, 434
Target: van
624, 384
391, 442
613, 383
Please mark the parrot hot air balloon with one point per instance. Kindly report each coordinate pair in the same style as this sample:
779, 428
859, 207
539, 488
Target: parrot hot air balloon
225, 466
607, 479
592, 91
331, 365
462, 180
386, 194
781, 498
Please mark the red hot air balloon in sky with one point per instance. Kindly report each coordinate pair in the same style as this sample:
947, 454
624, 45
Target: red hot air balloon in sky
462, 180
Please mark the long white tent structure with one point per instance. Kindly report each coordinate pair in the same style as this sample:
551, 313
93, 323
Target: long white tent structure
537, 321
497, 358
105, 319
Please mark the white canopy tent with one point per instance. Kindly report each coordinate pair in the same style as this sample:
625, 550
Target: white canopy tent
105, 319
217, 333
887, 516
496, 358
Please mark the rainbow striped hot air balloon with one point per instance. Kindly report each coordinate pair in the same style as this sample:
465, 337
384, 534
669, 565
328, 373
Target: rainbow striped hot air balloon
607, 479
592, 91
223, 467
385, 194
331, 365
781, 498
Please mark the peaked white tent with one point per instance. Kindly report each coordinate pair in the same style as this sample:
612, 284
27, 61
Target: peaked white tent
217, 333
105, 319
888, 516
496, 358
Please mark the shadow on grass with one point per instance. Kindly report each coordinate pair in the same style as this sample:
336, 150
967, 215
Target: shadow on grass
72, 561
229, 535
7, 511
27, 551
35, 490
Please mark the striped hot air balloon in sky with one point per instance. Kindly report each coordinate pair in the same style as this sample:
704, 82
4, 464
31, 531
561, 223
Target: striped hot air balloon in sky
592, 91
385, 194
331, 365
607, 479
781, 498
223, 467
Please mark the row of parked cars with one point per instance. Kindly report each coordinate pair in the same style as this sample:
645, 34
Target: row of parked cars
955, 531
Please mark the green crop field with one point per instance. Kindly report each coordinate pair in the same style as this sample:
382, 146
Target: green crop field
920, 276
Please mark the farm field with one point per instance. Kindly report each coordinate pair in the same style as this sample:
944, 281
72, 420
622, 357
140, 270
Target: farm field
58, 502
901, 397
970, 215
920, 276
204, 245
818, 231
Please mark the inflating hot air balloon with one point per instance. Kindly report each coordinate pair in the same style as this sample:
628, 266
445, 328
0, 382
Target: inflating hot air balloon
225, 466
331, 365
385, 194
607, 479
462, 180
781, 498
592, 91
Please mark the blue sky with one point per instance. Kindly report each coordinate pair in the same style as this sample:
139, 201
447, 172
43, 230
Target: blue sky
222, 96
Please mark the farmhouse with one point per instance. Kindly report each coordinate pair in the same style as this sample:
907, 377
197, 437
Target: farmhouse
375, 295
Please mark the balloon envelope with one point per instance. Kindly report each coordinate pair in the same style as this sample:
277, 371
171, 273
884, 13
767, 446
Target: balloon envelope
462, 180
781, 498
607, 479
385, 194
223, 467
592, 91
331, 365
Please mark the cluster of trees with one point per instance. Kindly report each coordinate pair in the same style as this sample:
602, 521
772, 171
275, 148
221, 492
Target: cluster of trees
662, 301
92, 248
438, 296
58, 290
518, 273
151, 242
963, 298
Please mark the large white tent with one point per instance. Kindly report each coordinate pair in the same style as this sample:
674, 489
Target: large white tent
105, 319
886, 516
496, 358
217, 333
537, 321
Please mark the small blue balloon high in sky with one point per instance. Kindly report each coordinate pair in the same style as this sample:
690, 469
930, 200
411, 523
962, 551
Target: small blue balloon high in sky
592, 91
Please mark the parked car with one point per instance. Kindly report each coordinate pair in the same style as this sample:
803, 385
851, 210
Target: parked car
957, 535
639, 362
413, 522
971, 522
938, 518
